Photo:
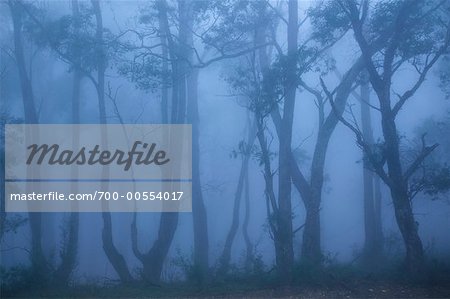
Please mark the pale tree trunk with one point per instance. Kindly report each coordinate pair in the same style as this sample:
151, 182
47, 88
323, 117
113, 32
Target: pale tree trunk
249, 257
285, 252
201, 240
201, 243
38, 260
115, 258
243, 177
70, 245
372, 225
378, 213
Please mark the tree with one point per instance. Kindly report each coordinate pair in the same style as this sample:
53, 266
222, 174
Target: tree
267, 91
411, 32
117, 260
244, 151
38, 260
248, 81
373, 242
177, 53
176, 63
71, 38
308, 54
70, 240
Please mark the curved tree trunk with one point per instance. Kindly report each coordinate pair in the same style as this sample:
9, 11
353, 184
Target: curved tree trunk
184, 92
312, 193
243, 177
115, 258
399, 192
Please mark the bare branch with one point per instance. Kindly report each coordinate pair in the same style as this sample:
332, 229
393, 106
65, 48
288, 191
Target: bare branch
426, 150
409, 93
378, 166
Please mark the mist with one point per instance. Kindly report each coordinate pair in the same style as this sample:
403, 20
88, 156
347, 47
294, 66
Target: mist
320, 141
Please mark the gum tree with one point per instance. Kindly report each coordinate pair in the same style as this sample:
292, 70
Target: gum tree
391, 34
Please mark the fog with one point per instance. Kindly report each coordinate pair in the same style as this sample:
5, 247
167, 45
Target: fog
226, 113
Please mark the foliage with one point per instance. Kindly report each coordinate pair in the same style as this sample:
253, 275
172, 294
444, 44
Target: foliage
328, 21
15, 279
433, 177
444, 75
235, 22
72, 38
425, 25
244, 149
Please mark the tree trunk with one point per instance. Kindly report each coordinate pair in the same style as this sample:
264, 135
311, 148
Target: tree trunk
115, 258
372, 225
378, 213
243, 175
70, 246
201, 243
395, 178
311, 246
399, 192
38, 260
285, 254
249, 258
312, 193
153, 260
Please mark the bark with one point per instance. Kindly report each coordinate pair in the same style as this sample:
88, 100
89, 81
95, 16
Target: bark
372, 225
378, 213
285, 252
70, 246
201, 243
399, 192
248, 243
38, 260
153, 261
243, 177
115, 258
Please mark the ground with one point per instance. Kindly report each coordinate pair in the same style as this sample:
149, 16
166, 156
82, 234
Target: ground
353, 289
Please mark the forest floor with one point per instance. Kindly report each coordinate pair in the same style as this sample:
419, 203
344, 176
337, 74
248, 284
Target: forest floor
335, 281
358, 290
348, 289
